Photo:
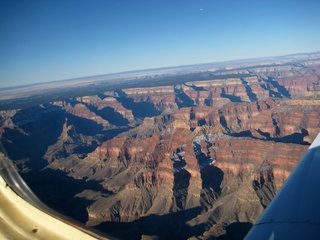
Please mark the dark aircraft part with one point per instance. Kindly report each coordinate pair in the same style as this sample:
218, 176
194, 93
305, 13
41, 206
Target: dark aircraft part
294, 213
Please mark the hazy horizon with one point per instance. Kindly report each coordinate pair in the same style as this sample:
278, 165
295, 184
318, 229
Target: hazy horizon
48, 41
149, 70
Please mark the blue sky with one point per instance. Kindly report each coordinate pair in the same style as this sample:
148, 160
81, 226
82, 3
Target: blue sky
46, 40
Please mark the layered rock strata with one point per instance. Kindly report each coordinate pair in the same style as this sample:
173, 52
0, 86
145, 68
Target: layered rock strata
208, 155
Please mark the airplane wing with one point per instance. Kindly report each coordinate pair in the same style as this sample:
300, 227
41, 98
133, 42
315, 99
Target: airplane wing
294, 213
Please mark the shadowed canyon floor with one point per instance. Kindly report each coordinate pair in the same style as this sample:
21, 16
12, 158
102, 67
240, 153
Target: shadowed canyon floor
192, 158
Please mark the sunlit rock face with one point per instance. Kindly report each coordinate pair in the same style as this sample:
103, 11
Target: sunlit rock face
186, 159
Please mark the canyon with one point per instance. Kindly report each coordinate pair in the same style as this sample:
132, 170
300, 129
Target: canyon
194, 158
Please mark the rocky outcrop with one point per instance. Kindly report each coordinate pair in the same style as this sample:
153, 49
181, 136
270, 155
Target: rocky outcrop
80, 110
264, 184
163, 98
179, 169
106, 103
289, 121
70, 142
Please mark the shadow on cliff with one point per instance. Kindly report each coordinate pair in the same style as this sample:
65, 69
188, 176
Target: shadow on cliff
57, 190
281, 90
109, 114
292, 138
211, 176
180, 188
88, 128
223, 120
139, 109
252, 96
168, 226
232, 98
236, 231
113, 117
196, 88
263, 184
84, 126
182, 99
41, 127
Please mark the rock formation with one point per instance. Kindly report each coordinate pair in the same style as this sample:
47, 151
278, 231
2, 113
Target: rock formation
198, 158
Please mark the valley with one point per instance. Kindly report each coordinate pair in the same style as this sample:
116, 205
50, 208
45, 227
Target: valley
195, 153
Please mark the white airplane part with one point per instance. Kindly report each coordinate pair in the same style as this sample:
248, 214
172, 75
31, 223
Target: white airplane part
24, 216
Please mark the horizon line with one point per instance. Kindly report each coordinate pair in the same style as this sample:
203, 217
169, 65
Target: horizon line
156, 68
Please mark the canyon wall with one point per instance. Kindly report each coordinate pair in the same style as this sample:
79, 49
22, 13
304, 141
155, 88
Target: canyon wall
190, 159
